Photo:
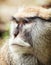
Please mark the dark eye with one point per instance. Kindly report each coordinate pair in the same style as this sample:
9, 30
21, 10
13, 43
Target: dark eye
29, 19
26, 21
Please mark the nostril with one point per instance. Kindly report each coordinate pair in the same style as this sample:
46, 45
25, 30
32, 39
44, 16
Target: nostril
16, 33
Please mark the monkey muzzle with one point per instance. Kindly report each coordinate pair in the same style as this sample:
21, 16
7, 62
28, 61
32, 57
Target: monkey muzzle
20, 46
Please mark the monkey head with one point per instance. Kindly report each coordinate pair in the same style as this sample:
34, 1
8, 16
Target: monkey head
31, 32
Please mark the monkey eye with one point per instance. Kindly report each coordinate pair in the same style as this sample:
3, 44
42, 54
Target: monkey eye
25, 21
29, 19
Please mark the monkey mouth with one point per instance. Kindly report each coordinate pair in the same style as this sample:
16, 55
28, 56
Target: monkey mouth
20, 42
20, 46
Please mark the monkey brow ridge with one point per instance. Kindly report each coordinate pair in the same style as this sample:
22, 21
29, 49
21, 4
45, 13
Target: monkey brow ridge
29, 18
35, 17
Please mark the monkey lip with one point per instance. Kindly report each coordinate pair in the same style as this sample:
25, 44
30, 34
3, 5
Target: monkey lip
21, 46
20, 49
20, 42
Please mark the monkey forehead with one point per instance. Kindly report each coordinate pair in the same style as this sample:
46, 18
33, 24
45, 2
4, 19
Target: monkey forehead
27, 12
34, 11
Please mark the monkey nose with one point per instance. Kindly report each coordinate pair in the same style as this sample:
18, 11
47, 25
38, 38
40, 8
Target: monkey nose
16, 33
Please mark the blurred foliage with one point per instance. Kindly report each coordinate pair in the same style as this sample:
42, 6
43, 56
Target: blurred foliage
4, 35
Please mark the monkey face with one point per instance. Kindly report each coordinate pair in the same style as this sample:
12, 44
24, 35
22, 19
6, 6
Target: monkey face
32, 33
22, 29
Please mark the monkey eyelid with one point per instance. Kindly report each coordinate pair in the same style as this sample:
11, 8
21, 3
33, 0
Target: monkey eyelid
25, 20
29, 19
